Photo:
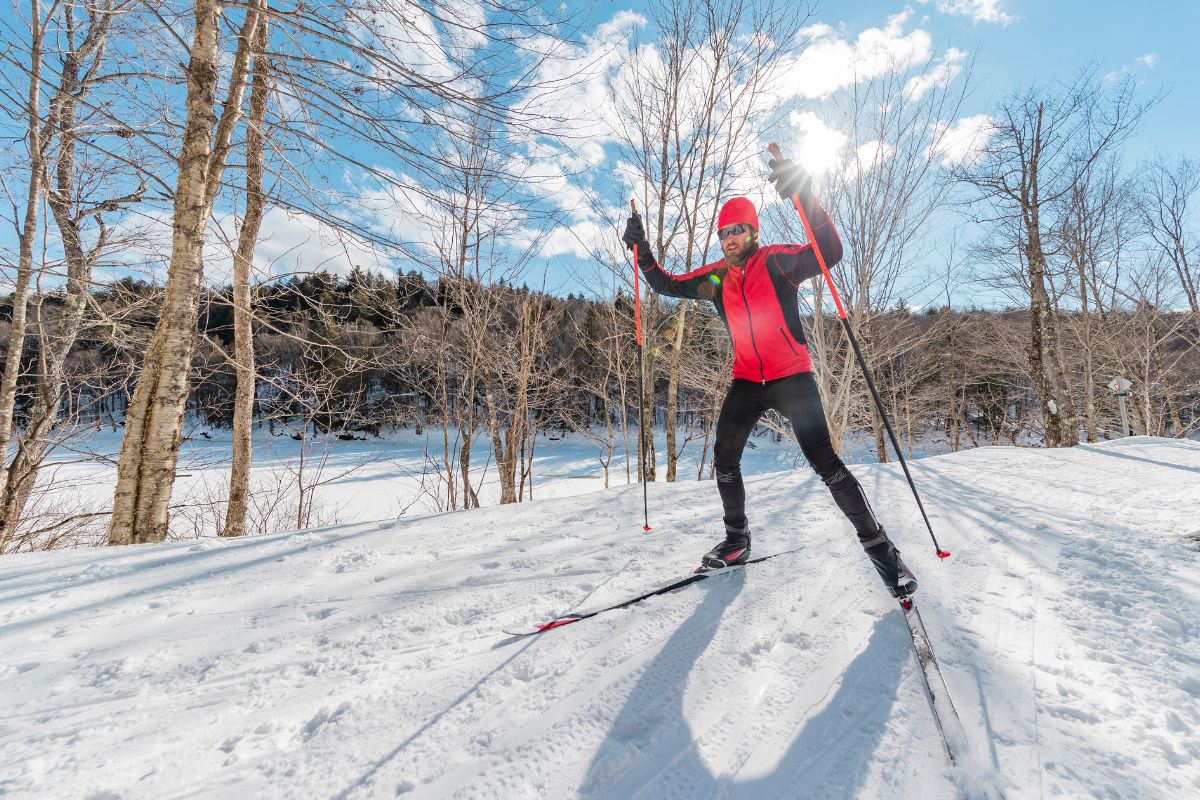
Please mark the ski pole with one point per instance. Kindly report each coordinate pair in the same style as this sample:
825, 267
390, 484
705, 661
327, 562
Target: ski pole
637, 316
862, 362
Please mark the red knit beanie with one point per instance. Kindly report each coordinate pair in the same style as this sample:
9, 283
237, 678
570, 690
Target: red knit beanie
739, 209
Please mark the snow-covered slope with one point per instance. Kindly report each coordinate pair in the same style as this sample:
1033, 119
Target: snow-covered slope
367, 661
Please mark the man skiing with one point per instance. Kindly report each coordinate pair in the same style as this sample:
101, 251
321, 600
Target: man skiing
754, 290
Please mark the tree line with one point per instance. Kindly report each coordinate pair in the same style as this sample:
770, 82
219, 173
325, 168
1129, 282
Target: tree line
350, 357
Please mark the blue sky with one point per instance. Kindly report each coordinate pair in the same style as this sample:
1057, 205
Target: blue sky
1047, 39
1018, 42
1013, 42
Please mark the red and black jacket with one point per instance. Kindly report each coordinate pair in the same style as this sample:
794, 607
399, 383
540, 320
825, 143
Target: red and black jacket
757, 301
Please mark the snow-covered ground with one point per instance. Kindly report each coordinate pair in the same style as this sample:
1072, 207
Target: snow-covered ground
400, 474
367, 660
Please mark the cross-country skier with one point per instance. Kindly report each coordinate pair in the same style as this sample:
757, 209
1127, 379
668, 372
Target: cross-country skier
754, 289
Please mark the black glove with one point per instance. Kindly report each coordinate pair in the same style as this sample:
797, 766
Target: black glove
635, 234
790, 178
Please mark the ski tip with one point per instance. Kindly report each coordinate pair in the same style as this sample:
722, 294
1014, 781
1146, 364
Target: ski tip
943, 553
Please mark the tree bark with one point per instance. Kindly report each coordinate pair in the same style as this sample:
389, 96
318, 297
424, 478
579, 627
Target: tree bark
154, 419
1045, 360
20, 301
243, 262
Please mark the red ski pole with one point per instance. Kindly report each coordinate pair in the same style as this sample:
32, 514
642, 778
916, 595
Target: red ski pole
637, 317
862, 362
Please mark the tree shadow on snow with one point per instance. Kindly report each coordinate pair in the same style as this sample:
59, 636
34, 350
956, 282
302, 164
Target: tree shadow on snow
651, 751
1106, 452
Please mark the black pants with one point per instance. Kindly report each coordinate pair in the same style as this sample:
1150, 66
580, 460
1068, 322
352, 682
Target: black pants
797, 398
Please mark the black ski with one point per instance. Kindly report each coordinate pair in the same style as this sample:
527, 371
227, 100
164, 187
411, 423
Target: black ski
695, 576
950, 728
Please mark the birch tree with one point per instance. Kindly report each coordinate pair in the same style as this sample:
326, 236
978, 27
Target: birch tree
243, 262
351, 76
85, 184
26, 224
154, 419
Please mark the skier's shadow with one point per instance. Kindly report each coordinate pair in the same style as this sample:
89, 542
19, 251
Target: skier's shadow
651, 751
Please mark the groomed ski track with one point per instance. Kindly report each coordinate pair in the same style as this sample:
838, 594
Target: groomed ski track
368, 660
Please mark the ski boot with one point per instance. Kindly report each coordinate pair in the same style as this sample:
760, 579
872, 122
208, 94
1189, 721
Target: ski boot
897, 577
735, 549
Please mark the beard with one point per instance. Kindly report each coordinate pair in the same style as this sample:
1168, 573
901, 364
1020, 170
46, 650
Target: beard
743, 256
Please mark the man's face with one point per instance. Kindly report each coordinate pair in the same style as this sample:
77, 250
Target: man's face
736, 242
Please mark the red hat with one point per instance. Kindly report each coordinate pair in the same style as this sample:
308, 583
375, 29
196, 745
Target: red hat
739, 209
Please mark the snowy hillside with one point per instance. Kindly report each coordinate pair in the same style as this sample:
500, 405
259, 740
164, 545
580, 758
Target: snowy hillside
368, 660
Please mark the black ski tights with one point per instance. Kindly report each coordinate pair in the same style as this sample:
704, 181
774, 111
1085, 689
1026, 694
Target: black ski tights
797, 398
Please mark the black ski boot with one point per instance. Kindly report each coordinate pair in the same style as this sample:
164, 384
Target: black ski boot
734, 550
898, 578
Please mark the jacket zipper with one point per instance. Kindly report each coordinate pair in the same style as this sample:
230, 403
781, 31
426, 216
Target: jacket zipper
762, 370
788, 341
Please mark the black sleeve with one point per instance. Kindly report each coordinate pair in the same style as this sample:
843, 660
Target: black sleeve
695, 285
798, 262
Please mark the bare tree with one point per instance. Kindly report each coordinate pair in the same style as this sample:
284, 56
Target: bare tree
883, 197
1169, 188
27, 228
687, 113
1095, 223
348, 74
83, 187
606, 376
153, 422
243, 262
1044, 140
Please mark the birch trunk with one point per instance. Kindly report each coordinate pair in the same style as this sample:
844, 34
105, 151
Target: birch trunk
243, 261
16, 340
154, 418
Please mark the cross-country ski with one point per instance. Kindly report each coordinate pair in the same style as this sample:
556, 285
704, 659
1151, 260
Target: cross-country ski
693, 576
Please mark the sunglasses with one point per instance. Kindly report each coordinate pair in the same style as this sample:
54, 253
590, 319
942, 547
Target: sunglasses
733, 230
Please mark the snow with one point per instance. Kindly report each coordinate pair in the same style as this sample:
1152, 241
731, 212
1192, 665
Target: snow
355, 481
367, 660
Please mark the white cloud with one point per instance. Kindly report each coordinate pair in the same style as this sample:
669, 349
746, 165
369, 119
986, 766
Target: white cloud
962, 142
580, 239
870, 156
412, 39
815, 146
830, 63
291, 241
1147, 61
977, 10
288, 242
940, 75
576, 83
